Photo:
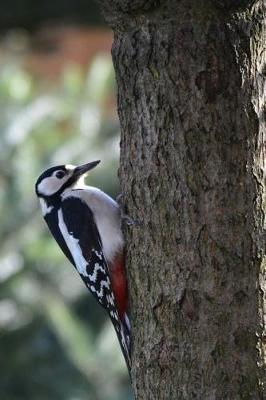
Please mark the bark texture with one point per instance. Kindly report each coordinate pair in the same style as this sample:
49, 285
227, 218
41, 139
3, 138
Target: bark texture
191, 87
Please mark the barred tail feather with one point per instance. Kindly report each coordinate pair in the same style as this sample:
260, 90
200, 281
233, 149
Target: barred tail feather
125, 340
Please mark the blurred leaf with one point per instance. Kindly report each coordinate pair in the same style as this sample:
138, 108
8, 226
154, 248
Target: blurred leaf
73, 79
16, 84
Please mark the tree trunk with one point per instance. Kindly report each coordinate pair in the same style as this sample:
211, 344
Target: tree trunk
191, 80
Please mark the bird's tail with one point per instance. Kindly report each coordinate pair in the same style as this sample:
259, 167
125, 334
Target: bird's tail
125, 339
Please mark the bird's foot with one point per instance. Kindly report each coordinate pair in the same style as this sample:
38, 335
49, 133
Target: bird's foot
119, 199
129, 221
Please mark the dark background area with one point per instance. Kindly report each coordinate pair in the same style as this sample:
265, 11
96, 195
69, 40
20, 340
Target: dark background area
30, 14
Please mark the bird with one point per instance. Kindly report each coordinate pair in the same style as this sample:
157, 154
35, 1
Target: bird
86, 224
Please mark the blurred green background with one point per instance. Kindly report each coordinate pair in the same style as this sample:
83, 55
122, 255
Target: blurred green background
57, 105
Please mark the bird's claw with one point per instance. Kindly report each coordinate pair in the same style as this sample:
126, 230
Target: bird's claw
119, 199
130, 221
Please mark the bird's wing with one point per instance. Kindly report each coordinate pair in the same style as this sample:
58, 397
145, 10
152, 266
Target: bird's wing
82, 238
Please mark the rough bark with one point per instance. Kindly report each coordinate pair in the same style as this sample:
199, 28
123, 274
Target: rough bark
191, 81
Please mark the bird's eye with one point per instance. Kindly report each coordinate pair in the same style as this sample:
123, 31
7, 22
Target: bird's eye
60, 174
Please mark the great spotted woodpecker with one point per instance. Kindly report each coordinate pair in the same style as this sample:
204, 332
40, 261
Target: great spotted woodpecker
85, 222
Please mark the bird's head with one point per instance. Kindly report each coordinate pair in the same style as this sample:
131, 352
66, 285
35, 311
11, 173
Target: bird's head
55, 180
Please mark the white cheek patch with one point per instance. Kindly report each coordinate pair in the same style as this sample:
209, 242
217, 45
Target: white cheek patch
51, 185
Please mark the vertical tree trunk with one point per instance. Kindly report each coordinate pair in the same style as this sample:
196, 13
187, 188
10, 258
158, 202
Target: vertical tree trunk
191, 80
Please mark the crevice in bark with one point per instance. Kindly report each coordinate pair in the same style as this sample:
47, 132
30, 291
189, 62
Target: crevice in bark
233, 4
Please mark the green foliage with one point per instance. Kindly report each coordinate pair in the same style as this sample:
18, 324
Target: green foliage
56, 343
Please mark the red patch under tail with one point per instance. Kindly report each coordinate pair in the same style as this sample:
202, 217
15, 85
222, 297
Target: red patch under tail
119, 284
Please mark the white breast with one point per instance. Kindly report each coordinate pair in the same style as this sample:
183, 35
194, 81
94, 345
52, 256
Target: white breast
107, 217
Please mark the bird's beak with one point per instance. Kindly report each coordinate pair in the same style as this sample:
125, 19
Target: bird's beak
82, 169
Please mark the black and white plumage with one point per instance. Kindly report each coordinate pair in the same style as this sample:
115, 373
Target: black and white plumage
85, 222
